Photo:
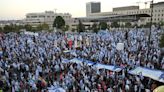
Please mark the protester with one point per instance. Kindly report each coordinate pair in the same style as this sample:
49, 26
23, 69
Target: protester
35, 63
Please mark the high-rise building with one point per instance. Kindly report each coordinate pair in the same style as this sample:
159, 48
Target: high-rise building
93, 7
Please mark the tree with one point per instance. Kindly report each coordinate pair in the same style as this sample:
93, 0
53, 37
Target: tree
135, 25
95, 28
115, 24
8, 28
128, 25
122, 25
103, 25
161, 23
1, 29
146, 25
28, 27
80, 27
45, 26
38, 28
59, 22
65, 28
73, 29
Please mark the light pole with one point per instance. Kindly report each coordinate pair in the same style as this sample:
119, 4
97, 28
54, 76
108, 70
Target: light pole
151, 18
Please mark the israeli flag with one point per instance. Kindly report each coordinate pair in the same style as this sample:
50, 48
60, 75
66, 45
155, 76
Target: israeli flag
157, 75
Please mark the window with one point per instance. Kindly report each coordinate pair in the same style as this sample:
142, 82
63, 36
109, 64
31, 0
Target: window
162, 15
33, 16
158, 14
28, 16
41, 16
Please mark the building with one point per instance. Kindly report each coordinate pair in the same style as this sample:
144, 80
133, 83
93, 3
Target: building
93, 7
3, 23
125, 8
46, 17
158, 12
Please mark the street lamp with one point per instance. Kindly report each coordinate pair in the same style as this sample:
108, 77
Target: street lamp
151, 18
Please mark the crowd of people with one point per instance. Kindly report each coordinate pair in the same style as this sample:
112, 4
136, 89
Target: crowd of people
34, 63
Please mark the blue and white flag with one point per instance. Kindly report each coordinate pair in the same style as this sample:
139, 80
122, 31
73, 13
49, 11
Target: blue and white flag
53, 89
109, 67
157, 75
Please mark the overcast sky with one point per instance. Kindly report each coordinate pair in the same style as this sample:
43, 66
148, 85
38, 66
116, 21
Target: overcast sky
17, 9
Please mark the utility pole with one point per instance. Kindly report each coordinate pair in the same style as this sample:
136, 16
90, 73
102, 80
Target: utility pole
145, 4
151, 19
149, 37
55, 10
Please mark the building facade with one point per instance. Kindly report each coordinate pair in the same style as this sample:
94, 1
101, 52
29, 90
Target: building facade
93, 7
158, 12
46, 17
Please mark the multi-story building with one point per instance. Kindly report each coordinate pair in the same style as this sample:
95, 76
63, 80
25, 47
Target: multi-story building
46, 17
158, 12
3, 23
93, 7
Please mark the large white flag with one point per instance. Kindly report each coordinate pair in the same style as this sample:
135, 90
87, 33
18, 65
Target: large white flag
151, 73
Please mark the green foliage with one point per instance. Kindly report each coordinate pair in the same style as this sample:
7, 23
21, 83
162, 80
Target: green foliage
7, 28
38, 28
128, 25
28, 27
1, 29
161, 23
122, 25
103, 25
161, 44
80, 27
45, 26
12, 28
147, 24
95, 28
59, 22
114, 24
73, 30
65, 28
